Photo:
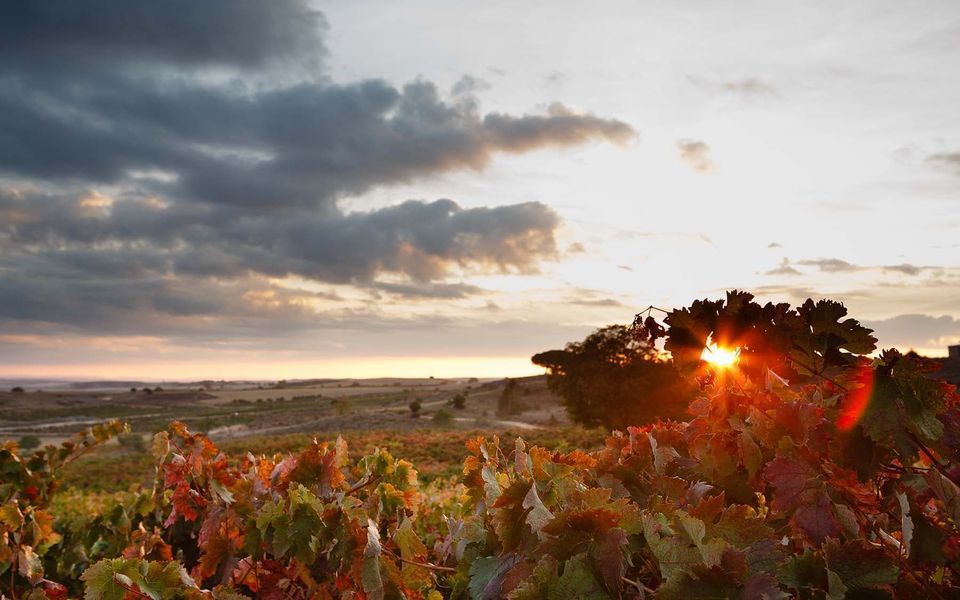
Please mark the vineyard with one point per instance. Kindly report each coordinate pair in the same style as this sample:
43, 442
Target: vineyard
807, 468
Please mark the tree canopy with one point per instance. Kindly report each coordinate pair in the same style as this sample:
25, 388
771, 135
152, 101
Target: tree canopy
615, 379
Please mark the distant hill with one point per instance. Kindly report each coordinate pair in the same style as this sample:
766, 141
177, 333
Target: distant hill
109, 385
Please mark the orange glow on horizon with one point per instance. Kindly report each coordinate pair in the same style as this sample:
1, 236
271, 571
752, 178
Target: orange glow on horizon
241, 368
720, 357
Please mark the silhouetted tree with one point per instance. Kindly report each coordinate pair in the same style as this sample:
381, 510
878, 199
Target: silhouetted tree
614, 379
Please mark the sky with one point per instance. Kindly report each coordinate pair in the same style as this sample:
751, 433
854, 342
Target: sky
290, 189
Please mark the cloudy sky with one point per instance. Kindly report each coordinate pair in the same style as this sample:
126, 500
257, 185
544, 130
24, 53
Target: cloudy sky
292, 189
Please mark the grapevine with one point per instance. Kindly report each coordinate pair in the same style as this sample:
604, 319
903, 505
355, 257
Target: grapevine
810, 469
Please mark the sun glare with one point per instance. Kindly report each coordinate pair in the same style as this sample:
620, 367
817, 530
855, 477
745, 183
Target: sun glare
720, 357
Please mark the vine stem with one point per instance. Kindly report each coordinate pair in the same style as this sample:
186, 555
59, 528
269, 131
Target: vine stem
420, 564
636, 584
933, 459
362, 484
131, 590
872, 526
818, 374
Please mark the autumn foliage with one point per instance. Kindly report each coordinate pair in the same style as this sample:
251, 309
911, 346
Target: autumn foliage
809, 470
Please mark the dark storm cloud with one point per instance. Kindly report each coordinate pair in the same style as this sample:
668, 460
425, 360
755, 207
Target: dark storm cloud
421, 240
167, 158
301, 146
245, 33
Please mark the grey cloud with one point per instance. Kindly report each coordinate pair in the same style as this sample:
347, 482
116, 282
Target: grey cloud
555, 78
469, 85
794, 293
906, 269
783, 269
592, 298
917, 331
423, 241
560, 126
836, 265
696, 154
598, 303
746, 88
949, 160
750, 86
428, 290
141, 175
182, 32
305, 145
831, 265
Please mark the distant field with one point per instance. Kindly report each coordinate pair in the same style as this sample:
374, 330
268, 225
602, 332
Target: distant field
338, 390
285, 417
226, 410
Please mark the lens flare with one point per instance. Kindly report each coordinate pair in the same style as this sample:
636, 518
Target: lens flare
720, 357
856, 401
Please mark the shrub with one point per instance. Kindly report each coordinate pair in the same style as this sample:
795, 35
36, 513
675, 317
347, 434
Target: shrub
459, 401
29, 442
132, 442
442, 417
206, 424
415, 408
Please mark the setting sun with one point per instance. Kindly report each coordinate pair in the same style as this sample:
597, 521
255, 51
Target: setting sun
720, 357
